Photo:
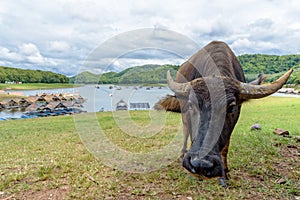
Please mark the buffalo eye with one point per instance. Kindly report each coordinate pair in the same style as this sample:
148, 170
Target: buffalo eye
232, 107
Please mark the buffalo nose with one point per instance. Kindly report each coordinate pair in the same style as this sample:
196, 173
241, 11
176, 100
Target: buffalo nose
201, 163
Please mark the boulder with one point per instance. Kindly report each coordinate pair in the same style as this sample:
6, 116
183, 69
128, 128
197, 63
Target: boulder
255, 127
281, 132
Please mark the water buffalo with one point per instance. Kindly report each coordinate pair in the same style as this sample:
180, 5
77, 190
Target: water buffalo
209, 90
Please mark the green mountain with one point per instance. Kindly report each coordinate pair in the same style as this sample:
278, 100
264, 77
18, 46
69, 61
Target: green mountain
30, 76
268, 64
146, 74
271, 65
85, 77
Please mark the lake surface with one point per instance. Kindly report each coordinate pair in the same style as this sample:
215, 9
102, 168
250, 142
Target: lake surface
103, 98
100, 98
106, 99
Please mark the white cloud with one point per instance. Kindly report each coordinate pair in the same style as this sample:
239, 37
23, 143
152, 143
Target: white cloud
6, 54
59, 46
26, 56
59, 35
28, 49
242, 43
32, 54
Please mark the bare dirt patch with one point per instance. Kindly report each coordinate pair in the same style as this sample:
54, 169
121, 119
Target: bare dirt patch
290, 163
282, 174
49, 194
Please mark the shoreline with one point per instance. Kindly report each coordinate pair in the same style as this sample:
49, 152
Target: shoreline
36, 86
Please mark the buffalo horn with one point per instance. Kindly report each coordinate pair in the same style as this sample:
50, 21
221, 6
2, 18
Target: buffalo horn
178, 88
249, 91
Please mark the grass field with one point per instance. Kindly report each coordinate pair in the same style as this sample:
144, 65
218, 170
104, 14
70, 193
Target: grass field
44, 158
35, 86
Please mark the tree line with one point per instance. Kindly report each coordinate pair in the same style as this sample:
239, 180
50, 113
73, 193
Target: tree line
268, 64
30, 76
271, 65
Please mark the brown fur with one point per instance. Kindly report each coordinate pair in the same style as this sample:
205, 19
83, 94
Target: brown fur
168, 103
224, 153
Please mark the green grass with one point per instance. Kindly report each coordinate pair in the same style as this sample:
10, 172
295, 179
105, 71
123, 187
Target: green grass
35, 86
45, 158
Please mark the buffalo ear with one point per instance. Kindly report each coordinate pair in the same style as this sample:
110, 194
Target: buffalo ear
168, 103
259, 80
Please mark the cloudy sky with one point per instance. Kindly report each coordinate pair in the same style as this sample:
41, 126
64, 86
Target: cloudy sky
68, 36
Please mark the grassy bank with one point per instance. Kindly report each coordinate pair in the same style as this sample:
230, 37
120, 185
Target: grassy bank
45, 158
35, 86
6, 96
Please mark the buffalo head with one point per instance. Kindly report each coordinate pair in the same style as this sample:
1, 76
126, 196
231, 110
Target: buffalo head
210, 108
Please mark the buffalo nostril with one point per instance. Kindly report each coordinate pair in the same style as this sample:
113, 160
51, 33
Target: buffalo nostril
206, 164
187, 164
195, 163
193, 170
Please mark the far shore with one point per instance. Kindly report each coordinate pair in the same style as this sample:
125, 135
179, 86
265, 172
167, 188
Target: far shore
36, 86
8, 91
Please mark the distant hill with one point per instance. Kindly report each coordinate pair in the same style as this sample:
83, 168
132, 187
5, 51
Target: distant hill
271, 65
30, 76
85, 77
268, 64
146, 74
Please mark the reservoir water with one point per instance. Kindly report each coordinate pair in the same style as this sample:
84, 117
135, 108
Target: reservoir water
102, 98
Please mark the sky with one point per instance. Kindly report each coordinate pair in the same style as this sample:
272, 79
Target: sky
69, 36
